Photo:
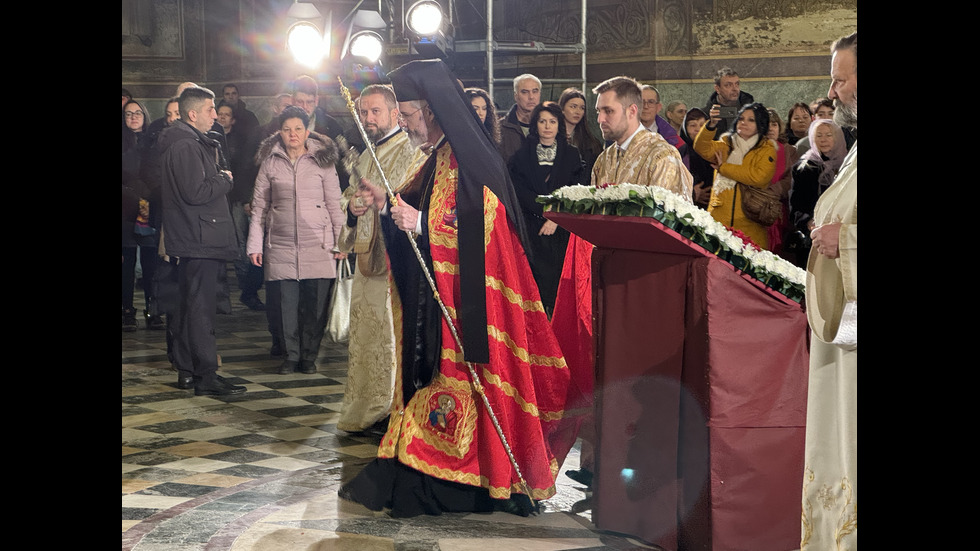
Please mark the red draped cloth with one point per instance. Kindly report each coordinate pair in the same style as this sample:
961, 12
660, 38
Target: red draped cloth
445, 430
572, 323
700, 377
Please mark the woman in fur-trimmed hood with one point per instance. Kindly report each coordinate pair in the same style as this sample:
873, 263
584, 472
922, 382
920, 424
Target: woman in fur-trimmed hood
296, 221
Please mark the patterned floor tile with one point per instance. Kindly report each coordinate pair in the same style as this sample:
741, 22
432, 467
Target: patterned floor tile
260, 471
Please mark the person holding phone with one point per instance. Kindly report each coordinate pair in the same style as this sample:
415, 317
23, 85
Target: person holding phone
743, 156
725, 101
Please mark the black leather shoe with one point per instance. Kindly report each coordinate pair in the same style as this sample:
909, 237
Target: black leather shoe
378, 429
185, 383
517, 504
253, 303
288, 366
583, 477
277, 351
155, 322
220, 387
129, 320
307, 366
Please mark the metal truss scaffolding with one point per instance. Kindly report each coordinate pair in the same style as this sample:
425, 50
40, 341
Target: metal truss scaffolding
491, 46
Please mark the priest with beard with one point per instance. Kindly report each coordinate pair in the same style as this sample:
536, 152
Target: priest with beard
455, 444
371, 343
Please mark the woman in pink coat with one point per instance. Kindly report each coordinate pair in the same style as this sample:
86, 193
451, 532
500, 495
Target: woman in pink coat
296, 220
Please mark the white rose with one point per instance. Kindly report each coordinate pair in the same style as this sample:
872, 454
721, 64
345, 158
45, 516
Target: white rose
655, 192
790, 272
733, 243
706, 221
683, 208
575, 193
612, 194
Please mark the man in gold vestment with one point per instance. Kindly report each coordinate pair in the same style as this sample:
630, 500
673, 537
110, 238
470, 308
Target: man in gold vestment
371, 348
636, 156
644, 159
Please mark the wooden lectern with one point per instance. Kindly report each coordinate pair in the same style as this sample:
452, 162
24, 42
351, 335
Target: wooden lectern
700, 393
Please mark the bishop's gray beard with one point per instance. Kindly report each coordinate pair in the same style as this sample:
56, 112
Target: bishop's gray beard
846, 115
416, 138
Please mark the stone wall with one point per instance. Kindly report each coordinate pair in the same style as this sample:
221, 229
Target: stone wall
779, 48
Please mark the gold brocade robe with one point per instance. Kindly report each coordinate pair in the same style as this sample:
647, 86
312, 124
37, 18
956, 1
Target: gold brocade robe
648, 161
830, 458
371, 348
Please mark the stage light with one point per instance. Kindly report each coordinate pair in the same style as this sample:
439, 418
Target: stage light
366, 45
364, 42
424, 18
306, 43
432, 36
303, 10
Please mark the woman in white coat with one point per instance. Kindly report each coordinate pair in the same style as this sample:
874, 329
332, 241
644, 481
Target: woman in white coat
296, 220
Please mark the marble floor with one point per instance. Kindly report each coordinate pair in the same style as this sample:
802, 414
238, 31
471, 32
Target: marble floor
260, 471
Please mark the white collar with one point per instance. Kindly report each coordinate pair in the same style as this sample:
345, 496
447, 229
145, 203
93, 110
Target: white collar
392, 132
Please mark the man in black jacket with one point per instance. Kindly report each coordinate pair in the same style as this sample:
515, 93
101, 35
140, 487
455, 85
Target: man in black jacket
728, 94
199, 232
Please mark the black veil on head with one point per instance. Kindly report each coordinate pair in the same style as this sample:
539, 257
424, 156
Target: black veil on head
479, 165
432, 81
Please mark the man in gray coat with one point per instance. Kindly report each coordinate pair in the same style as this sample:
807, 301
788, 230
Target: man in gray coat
200, 233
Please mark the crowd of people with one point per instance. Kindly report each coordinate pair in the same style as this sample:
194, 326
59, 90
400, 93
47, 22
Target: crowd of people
457, 271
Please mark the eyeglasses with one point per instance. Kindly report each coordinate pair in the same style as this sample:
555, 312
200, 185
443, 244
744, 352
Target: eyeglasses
650, 102
133, 114
403, 117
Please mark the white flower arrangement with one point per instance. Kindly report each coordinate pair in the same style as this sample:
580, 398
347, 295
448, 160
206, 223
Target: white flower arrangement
690, 221
574, 193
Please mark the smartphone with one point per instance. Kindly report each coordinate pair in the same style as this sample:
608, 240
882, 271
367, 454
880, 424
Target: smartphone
728, 113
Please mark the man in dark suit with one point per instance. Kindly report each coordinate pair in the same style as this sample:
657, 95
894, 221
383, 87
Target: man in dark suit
199, 232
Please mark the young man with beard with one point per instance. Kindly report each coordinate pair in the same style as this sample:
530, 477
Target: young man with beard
644, 159
636, 156
371, 345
